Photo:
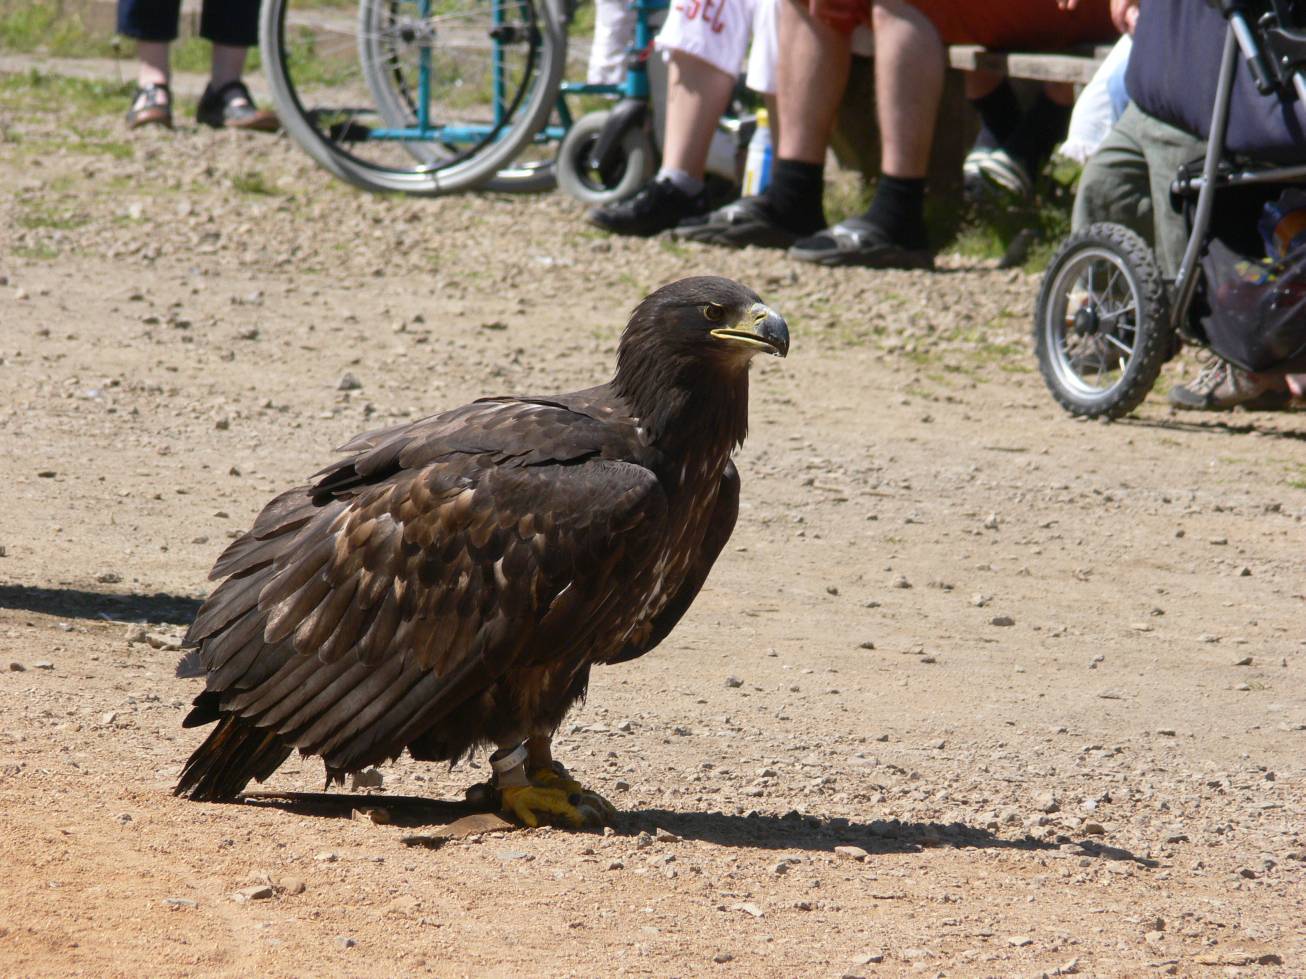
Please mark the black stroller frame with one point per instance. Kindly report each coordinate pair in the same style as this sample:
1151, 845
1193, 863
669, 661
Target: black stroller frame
1129, 335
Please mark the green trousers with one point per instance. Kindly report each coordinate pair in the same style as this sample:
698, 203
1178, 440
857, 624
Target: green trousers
1127, 181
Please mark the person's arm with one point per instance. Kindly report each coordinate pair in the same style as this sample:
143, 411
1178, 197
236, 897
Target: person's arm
1124, 13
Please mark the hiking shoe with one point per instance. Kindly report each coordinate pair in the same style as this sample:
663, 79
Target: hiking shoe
747, 221
857, 241
232, 107
1222, 387
151, 106
987, 175
659, 206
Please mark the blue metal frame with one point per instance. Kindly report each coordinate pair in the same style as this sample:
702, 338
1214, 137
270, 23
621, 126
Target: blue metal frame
634, 86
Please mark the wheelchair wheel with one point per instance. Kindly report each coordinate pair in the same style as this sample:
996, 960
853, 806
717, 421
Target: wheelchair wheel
1101, 326
622, 179
411, 96
525, 176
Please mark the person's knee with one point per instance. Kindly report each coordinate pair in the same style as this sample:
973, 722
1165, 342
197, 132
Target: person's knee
1110, 192
691, 65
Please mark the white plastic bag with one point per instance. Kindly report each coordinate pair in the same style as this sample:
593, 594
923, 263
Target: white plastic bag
1094, 113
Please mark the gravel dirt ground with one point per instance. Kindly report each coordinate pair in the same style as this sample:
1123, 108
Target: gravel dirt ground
974, 690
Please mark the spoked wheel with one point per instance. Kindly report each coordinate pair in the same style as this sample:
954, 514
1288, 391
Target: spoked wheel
1101, 327
416, 96
622, 178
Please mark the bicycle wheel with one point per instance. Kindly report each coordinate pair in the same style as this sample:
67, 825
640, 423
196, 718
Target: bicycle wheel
623, 178
1102, 326
416, 96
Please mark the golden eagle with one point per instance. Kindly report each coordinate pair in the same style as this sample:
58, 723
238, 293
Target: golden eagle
450, 583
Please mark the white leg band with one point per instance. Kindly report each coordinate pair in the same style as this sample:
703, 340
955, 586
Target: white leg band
509, 767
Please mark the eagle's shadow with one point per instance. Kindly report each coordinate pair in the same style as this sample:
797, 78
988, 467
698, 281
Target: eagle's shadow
807, 832
755, 831
78, 603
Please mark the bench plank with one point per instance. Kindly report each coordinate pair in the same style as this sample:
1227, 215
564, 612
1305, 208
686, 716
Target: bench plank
1076, 66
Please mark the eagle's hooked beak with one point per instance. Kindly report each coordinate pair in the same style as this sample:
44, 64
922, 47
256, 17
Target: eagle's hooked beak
761, 329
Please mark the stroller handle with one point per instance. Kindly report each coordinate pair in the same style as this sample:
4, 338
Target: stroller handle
1262, 68
1275, 52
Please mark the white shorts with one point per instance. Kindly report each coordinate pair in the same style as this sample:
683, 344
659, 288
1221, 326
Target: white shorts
718, 31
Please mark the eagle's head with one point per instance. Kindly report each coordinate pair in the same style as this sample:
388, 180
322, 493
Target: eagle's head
692, 341
706, 318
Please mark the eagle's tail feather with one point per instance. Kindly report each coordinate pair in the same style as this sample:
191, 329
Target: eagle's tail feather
234, 752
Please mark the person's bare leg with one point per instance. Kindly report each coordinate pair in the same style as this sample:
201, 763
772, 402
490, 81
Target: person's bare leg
1062, 93
810, 79
908, 85
153, 66
909, 68
980, 83
811, 75
228, 64
697, 94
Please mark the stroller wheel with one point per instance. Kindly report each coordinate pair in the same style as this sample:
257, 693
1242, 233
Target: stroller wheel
1102, 327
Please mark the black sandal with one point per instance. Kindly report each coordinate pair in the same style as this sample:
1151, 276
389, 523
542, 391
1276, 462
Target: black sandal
151, 106
856, 241
232, 107
747, 221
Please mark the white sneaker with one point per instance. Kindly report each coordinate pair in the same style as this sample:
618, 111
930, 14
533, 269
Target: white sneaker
985, 171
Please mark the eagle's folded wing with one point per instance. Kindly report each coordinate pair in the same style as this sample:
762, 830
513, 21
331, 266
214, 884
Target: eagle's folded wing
360, 611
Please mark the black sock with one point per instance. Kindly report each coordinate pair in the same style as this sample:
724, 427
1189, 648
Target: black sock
899, 210
795, 194
1043, 127
999, 113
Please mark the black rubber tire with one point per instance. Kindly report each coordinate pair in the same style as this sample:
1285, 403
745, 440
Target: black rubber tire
631, 172
1112, 247
366, 97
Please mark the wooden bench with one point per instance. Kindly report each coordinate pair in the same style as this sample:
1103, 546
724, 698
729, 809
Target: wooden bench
1076, 65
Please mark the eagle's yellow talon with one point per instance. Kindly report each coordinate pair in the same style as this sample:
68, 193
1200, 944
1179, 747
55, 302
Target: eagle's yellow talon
529, 802
559, 795
604, 811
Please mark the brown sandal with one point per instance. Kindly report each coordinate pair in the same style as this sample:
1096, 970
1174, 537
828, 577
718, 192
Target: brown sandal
151, 106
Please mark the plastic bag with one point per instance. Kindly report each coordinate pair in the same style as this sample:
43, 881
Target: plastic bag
1256, 316
1096, 111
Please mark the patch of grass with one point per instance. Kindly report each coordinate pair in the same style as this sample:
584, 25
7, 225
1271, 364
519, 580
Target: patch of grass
85, 145
673, 248
846, 197
57, 94
1297, 475
46, 26
253, 182
582, 23
36, 215
41, 252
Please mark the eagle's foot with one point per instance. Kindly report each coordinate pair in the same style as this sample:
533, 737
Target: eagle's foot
533, 803
558, 777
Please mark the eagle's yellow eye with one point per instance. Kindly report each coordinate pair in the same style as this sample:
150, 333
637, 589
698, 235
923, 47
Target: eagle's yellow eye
714, 313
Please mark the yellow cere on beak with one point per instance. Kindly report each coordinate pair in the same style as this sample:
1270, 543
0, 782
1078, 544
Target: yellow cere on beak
761, 329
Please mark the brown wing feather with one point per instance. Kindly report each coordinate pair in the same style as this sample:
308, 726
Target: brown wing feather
400, 593
718, 532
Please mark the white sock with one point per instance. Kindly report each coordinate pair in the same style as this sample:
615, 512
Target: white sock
681, 180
